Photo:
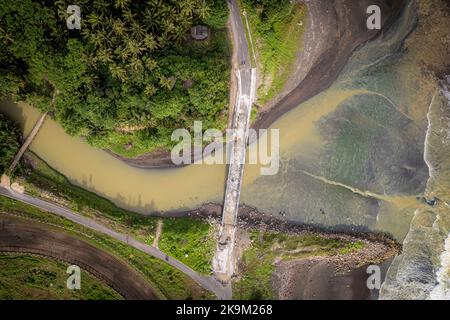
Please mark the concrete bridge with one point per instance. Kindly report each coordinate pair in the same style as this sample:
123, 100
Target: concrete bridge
224, 262
224, 259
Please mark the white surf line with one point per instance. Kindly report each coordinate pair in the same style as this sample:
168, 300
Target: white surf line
426, 144
442, 289
365, 194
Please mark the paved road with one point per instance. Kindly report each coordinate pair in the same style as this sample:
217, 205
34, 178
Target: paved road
240, 41
209, 283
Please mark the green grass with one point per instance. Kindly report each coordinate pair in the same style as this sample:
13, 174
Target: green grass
257, 264
44, 178
277, 39
191, 243
166, 281
24, 277
194, 232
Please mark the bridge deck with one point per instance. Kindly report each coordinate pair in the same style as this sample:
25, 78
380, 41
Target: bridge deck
224, 261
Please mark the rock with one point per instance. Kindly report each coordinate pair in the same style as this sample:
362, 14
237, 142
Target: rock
5, 181
17, 188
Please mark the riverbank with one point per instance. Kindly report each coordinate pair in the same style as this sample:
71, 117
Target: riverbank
336, 29
183, 233
299, 262
318, 279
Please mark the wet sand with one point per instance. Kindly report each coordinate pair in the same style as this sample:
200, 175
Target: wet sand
343, 24
312, 279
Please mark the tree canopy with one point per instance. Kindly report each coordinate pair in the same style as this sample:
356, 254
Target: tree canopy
9, 142
128, 77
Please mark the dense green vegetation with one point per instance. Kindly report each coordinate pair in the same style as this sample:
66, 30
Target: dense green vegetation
166, 281
257, 264
189, 240
24, 277
193, 243
128, 77
9, 142
277, 28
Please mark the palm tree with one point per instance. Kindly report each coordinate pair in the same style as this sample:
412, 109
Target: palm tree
150, 42
117, 72
136, 63
94, 19
119, 27
128, 16
122, 4
101, 5
150, 90
105, 56
203, 11
150, 64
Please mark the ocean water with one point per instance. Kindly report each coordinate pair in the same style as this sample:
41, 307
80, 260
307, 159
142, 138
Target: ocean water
442, 290
422, 271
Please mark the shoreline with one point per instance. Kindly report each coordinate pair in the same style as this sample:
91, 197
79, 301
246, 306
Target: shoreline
316, 279
322, 67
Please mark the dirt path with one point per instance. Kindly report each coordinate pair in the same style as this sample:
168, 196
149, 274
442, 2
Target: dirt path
31, 136
157, 233
34, 238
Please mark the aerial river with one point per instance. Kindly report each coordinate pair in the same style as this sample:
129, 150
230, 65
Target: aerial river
352, 157
305, 144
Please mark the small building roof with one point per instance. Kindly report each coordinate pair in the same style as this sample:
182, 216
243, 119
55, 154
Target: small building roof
199, 32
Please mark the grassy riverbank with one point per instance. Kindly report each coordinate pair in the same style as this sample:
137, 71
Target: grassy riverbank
166, 281
24, 277
257, 264
187, 239
277, 29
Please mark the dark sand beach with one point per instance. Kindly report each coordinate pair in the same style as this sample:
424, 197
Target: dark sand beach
318, 279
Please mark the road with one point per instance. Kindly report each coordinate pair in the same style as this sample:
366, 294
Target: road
208, 283
238, 29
